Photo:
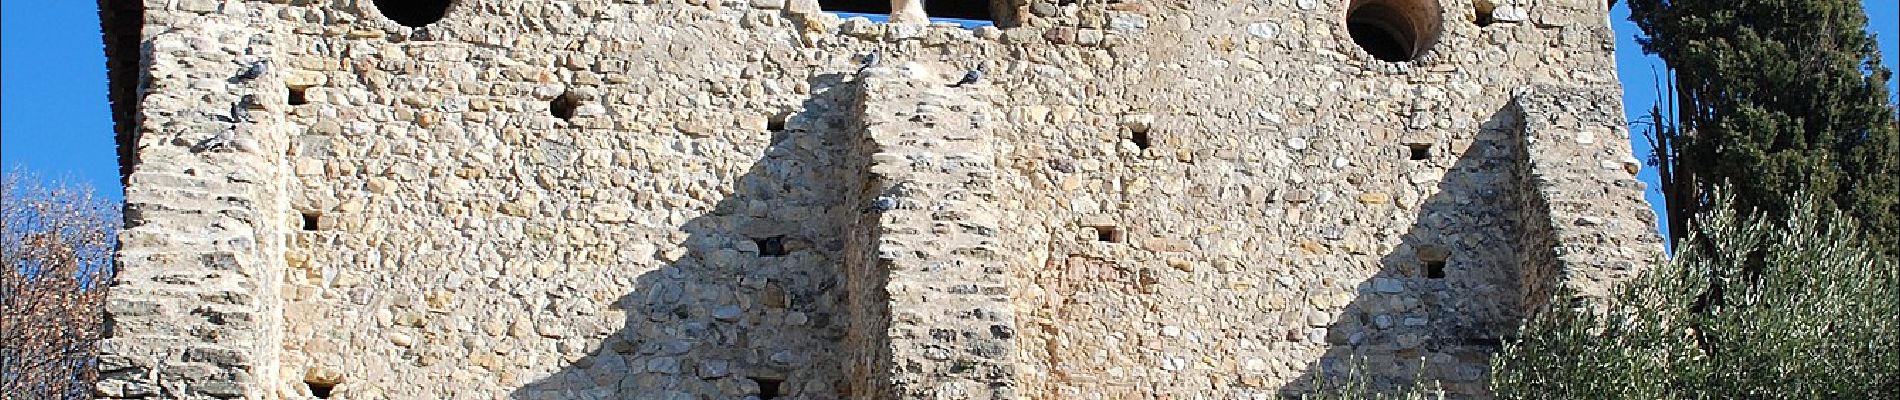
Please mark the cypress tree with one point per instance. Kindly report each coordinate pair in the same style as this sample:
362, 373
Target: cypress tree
1773, 97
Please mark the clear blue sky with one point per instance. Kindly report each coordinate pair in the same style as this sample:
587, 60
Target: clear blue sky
54, 118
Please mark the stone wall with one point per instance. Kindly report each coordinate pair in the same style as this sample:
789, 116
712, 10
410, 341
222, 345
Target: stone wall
195, 310
668, 198
937, 251
1580, 171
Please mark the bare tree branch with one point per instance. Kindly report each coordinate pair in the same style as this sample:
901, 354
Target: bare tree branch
56, 244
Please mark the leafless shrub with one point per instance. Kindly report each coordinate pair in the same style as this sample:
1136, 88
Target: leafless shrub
56, 241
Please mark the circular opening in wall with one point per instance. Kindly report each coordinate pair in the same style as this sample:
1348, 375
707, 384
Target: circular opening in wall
413, 13
1394, 30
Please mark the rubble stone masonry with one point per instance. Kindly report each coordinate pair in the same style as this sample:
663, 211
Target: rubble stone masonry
760, 199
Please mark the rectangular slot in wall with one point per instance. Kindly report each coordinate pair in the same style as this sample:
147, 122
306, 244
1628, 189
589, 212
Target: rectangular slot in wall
310, 220
1418, 151
776, 123
1435, 269
1108, 234
1140, 138
1432, 261
771, 246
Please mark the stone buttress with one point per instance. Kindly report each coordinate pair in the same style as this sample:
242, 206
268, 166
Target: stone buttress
1578, 164
930, 245
195, 311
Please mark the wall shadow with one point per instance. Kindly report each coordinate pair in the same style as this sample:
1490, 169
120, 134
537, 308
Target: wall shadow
752, 308
1446, 295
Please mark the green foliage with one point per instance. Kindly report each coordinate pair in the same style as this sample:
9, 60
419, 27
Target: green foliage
1798, 309
1774, 97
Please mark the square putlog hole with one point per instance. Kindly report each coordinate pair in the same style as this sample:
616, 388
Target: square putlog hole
1432, 260
1418, 151
310, 220
295, 96
1141, 139
1108, 234
1435, 269
771, 246
776, 123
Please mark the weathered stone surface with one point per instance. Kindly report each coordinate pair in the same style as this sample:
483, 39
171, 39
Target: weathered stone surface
720, 199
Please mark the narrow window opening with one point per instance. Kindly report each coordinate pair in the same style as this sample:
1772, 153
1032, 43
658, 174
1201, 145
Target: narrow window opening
563, 106
1419, 151
295, 96
413, 13
771, 246
320, 390
310, 219
1481, 12
768, 387
1108, 234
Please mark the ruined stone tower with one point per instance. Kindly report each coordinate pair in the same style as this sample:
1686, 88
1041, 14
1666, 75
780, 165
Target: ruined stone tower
760, 199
